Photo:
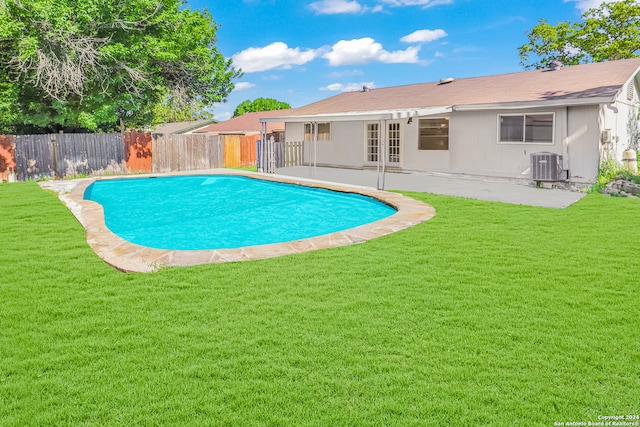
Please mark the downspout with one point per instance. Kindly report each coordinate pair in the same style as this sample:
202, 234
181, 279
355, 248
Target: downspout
612, 149
615, 135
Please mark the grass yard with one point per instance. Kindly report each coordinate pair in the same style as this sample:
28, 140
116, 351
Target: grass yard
487, 315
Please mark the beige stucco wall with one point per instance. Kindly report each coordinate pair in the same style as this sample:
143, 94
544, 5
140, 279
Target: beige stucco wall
474, 147
346, 147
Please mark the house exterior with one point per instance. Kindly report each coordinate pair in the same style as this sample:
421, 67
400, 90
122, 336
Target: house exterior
488, 126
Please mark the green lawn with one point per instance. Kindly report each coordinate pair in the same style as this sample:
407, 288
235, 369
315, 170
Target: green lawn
487, 315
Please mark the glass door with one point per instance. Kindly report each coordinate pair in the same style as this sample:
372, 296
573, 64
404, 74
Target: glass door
393, 141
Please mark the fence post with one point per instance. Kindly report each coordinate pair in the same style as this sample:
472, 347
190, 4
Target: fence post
272, 156
54, 152
259, 155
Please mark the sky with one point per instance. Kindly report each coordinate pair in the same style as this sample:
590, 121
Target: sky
300, 52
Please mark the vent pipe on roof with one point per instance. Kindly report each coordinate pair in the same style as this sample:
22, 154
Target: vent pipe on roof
365, 88
555, 65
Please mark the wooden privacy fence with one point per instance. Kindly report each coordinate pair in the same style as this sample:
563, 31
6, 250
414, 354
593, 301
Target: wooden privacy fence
35, 157
187, 152
62, 155
239, 150
139, 149
7, 158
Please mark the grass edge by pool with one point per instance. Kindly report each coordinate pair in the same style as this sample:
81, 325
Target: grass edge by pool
129, 257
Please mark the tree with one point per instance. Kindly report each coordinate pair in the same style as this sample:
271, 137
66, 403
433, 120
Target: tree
172, 111
608, 32
99, 65
260, 104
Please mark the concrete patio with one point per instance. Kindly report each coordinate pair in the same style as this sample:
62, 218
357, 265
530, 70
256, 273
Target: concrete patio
473, 187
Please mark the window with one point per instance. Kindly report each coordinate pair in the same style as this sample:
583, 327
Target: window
324, 131
433, 134
527, 128
372, 142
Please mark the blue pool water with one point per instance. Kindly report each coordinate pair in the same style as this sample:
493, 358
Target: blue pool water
222, 211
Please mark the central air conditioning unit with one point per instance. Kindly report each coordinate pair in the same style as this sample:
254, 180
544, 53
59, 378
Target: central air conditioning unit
546, 166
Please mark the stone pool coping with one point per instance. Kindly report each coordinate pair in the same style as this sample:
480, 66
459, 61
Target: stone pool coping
129, 257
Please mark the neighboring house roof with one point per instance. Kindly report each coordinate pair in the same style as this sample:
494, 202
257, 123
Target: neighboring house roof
570, 85
182, 127
247, 123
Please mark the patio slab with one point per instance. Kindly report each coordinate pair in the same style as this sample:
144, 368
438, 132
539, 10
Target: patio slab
474, 187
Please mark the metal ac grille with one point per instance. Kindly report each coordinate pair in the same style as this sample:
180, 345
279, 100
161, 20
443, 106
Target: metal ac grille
546, 166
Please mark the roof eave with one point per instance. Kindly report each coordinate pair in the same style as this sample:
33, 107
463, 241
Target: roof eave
361, 115
195, 127
535, 104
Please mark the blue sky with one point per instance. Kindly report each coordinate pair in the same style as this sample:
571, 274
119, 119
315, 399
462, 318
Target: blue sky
302, 51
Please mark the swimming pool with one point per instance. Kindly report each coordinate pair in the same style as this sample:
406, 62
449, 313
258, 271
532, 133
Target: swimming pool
130, 257
203, 212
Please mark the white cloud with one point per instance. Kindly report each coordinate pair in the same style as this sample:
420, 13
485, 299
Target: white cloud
349, 87
333, 7
424, 36
585, 5
275, 55
242, 86
222, 116
364, 50
423, 3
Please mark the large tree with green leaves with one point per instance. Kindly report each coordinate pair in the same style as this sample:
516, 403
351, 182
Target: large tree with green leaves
608, 32
99, 65
260, 104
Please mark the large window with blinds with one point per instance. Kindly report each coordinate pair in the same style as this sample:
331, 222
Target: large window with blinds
433, 134
324, 131
525, 128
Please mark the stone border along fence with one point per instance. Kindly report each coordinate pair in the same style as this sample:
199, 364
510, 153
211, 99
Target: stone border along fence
57, 156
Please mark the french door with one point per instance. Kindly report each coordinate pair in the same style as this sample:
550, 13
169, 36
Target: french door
393, 143
393, 139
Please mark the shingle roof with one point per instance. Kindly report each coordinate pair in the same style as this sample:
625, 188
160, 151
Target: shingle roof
569, 84
181, 127
247, 123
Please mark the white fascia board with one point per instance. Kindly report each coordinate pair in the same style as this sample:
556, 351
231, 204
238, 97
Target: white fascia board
533, 104
361, 115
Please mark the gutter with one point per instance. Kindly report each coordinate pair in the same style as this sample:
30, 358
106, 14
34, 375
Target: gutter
533, 104
361, 115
